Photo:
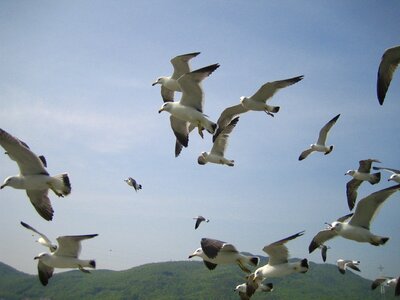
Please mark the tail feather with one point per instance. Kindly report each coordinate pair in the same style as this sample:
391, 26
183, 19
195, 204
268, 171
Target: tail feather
64, 184
376, 177
254, 260
92, 264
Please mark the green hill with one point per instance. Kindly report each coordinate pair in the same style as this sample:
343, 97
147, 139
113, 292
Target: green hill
183, 280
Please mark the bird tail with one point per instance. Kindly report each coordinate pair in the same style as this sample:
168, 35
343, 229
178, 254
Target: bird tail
254, 260
329, 151
63, 185
376, 177
379, 240
211, 126
92, 264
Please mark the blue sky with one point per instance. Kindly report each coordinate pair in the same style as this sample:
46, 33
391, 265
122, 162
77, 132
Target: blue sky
75, 85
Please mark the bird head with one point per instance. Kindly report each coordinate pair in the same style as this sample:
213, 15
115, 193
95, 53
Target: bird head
198, 252
165, 107
350, 172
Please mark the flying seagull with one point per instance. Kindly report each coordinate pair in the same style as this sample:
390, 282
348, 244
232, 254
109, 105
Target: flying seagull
217, 153
215, 252
360, 175
278, 263
356, 226
257, 102
395, 173
247, 289
189, 110
43, 239
389, 62
200, 219
33, 176
169, 84
66, 256
320, 144
387, 281
343, 264
132, 182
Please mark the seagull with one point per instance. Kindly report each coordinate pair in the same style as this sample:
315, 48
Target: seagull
343, 264
356, 226
320, 144
389, 62
132, 182
278, 264
257, 102
189, 110
215, 252
33, 176
169, 84
43, 239
395, 173
387, 281
66, 256
247, 289
216, 155
200, 219
360, 175
324, 250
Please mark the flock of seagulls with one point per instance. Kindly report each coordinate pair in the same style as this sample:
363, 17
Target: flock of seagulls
186, 115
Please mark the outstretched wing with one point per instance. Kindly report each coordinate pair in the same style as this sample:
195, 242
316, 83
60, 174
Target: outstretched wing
70, 245
278, 252
389, 62
181, 64
323, 133
226, 117
221, 142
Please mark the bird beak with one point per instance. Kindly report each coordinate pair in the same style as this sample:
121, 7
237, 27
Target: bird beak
154, 83
36, 257
190, 256
1, 187
161, 109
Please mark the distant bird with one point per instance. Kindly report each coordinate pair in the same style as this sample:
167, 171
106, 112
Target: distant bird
389, 62
278, 263
320, 144
387, 281
217, 153
343, 264
360, 175
132, 182
324, 251
169, 84
66, 256
33, 176
356, 226
200, 219
189, 110
43, 239
257, 102
395, 173
215, 252
246, 290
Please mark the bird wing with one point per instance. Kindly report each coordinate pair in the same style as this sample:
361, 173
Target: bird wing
389, 62
377, 282
167, 94
178, 145
368, 207
190, 83
181, 131
395, 171
305, 153
41, 203
324, 251
198, 221
221, 142
365, 165
323, 133
267, 90
28, 162
351, 192
320, 238
44, 237
45, 272
70, 245
353, 266
181, 64
211, 247
278, 252
226, 117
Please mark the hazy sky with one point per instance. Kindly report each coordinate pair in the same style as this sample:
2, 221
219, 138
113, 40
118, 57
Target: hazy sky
75, 85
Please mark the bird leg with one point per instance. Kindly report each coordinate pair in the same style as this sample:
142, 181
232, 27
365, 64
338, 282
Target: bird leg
83, 270
244, 269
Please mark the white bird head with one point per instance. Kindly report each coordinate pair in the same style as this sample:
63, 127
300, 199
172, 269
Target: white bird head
42, 256
243, 99
336, 226
350, 172
159, 80
241, 288
165, 107
199, 252
394, 177
13, 181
